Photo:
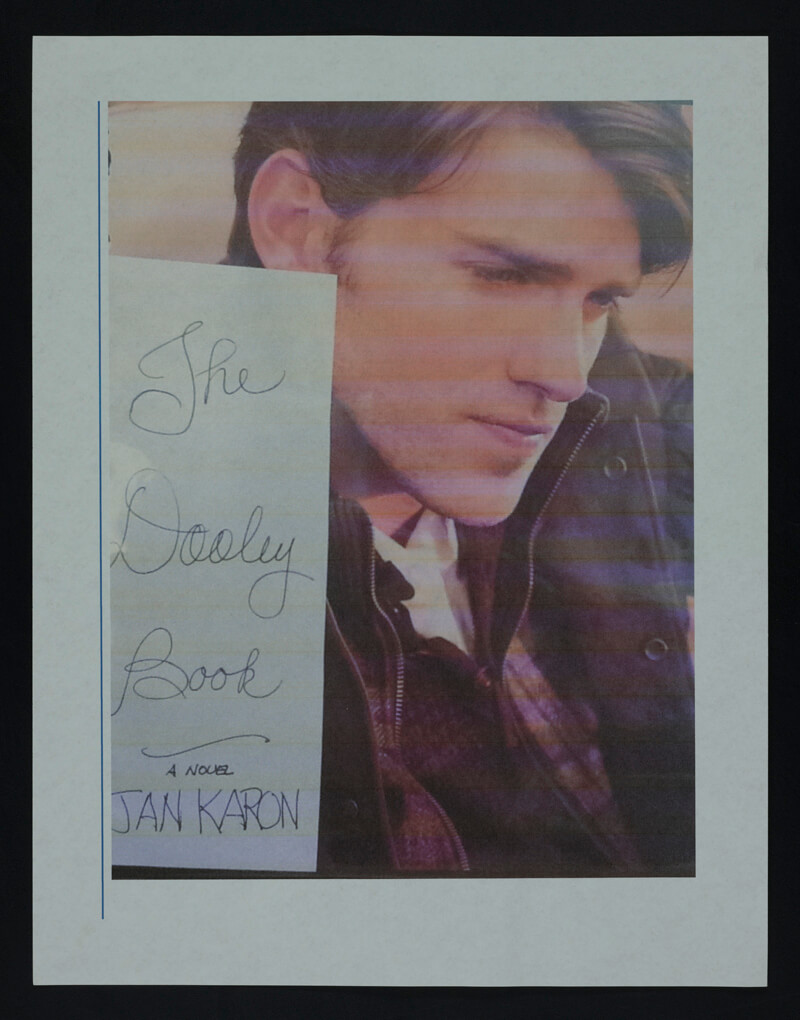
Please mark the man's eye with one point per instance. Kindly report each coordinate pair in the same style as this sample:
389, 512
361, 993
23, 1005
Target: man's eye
605, 299
501, 274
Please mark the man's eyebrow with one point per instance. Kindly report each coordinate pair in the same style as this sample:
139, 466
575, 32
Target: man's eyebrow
522, 260
536, 264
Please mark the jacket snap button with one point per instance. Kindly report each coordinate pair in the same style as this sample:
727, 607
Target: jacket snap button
350, 809
656, 649
615, 467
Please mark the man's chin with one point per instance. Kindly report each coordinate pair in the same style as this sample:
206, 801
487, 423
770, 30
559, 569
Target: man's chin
472, 502
482, 520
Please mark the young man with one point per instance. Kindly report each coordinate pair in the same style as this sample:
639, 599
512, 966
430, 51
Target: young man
508, 685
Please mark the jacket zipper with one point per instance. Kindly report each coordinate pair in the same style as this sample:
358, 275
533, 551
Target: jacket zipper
396, 674
396, 664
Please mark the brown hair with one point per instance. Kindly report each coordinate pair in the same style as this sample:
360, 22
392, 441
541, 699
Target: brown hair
362, 152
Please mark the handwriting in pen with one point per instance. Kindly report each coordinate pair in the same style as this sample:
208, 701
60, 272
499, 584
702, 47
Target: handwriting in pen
170, 412
153, 537
156, 677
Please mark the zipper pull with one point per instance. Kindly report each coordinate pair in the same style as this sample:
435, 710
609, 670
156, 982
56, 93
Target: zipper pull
484, 679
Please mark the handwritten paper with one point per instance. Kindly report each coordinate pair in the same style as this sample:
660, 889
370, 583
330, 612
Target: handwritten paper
216, 496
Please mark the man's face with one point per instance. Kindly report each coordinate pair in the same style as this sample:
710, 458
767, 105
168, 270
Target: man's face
469, 315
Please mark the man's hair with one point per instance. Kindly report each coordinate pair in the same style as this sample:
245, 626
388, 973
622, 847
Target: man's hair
360, 153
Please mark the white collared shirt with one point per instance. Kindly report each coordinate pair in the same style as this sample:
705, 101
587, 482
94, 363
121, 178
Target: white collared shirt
429, 562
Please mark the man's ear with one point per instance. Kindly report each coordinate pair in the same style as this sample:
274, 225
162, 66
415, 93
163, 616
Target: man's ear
290, 224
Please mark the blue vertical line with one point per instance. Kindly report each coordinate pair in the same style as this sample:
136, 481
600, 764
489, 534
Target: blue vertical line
100, 499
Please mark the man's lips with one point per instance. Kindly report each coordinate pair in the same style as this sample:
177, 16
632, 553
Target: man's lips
522, 436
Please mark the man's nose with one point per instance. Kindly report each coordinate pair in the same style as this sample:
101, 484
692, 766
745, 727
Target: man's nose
554, 354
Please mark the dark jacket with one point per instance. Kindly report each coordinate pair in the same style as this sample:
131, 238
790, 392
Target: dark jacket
593, 572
